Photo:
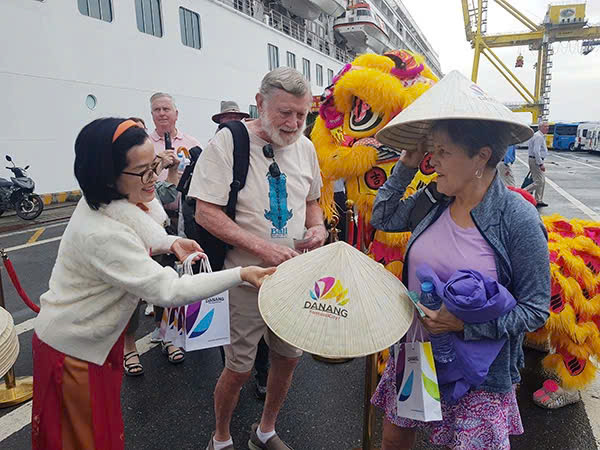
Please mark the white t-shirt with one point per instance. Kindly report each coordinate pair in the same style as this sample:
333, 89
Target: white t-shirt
273, 209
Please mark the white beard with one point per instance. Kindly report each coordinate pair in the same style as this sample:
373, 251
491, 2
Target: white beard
279, 139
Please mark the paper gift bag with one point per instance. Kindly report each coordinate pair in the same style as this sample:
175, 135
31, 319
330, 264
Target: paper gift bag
200, 325
172, 326
417, 390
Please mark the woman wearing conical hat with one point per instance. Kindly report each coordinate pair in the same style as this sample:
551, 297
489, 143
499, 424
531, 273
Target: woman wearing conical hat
468, 221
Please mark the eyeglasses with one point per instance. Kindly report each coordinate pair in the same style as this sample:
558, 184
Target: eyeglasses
147, 175
274, 170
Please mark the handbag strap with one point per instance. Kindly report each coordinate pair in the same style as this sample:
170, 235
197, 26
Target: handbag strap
189, 261
417, 329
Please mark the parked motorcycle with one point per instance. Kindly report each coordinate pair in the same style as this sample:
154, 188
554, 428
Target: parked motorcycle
18, 194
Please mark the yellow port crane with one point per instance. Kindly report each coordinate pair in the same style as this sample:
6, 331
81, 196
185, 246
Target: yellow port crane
563, 22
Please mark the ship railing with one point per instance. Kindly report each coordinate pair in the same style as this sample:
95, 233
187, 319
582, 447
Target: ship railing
297, 31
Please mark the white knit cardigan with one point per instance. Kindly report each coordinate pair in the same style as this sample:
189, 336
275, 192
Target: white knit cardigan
103, 268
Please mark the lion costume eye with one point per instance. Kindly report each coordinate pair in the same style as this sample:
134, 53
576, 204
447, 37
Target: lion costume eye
362, 117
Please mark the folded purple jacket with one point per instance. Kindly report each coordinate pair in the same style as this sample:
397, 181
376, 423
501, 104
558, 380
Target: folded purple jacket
473, 298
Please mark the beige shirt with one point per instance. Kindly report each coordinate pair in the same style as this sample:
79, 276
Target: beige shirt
272, 209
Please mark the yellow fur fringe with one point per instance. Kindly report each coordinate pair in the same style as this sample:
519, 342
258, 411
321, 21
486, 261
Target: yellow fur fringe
554, 363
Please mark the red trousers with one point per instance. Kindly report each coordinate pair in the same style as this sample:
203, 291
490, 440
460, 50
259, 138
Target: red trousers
76, 404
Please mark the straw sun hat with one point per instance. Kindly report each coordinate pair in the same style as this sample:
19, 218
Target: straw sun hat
335, 302
453, 97
9, 343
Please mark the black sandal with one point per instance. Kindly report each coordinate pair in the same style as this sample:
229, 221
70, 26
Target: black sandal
175, 357
132, 369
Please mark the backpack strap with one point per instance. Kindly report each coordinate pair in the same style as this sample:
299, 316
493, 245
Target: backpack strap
186, 177
241, 162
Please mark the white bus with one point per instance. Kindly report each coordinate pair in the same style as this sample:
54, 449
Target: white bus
583, 134
593, 139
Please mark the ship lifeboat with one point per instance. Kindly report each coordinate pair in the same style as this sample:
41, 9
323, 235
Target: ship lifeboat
362, 29
311, 9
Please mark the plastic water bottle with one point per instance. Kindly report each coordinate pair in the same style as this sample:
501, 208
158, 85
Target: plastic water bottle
443, 350
182, 162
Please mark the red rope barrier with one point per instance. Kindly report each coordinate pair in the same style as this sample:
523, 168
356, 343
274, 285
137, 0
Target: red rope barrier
17, 284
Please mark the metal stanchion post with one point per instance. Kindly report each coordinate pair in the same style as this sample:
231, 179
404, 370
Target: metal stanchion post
15, 390
369, 410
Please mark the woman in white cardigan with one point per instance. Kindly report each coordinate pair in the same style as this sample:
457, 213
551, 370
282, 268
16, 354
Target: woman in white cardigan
102, 269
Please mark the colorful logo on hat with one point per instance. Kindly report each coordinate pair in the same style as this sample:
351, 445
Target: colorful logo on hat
329, 288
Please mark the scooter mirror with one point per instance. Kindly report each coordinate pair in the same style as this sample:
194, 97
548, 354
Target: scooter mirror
26, 167
8, 158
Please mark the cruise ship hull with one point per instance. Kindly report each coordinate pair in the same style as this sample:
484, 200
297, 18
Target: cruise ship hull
58, 59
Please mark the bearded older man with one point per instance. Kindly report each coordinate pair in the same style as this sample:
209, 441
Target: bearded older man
282, 159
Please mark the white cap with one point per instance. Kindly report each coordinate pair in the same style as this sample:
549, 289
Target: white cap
453, 97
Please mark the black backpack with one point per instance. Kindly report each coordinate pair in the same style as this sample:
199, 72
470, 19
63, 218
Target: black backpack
213, 246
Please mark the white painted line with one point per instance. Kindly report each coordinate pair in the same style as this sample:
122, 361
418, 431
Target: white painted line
15, 420
585, 209
591, 401
15, 233
33, 244
21, 417
577, 162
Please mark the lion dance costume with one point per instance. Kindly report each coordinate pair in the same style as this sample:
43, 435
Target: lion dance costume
364, 97
574, 322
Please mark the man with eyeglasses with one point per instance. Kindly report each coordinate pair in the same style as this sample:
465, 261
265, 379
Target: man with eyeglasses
277, 206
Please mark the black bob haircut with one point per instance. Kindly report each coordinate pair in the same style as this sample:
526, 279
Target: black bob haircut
99, 161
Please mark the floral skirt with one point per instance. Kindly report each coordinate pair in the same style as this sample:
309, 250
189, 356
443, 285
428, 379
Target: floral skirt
480, 420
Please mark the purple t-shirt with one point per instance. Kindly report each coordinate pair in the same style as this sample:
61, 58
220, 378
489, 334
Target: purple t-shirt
447, 247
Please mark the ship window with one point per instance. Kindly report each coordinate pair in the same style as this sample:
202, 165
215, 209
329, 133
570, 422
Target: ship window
319, 73
253, 111
98, 9
147, 13
306, 68
91, 101
363, 12
291, 60
273, 56
329, 77
190, 28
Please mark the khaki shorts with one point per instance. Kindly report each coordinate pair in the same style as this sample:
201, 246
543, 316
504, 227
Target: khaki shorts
247, 327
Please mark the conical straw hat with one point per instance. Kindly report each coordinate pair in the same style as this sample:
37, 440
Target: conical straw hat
453, 97
9, 342
336, 302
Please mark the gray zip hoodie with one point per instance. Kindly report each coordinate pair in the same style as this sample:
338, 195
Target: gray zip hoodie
514, 230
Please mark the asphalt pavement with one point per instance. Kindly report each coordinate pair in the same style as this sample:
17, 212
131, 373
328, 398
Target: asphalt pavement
171, 406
